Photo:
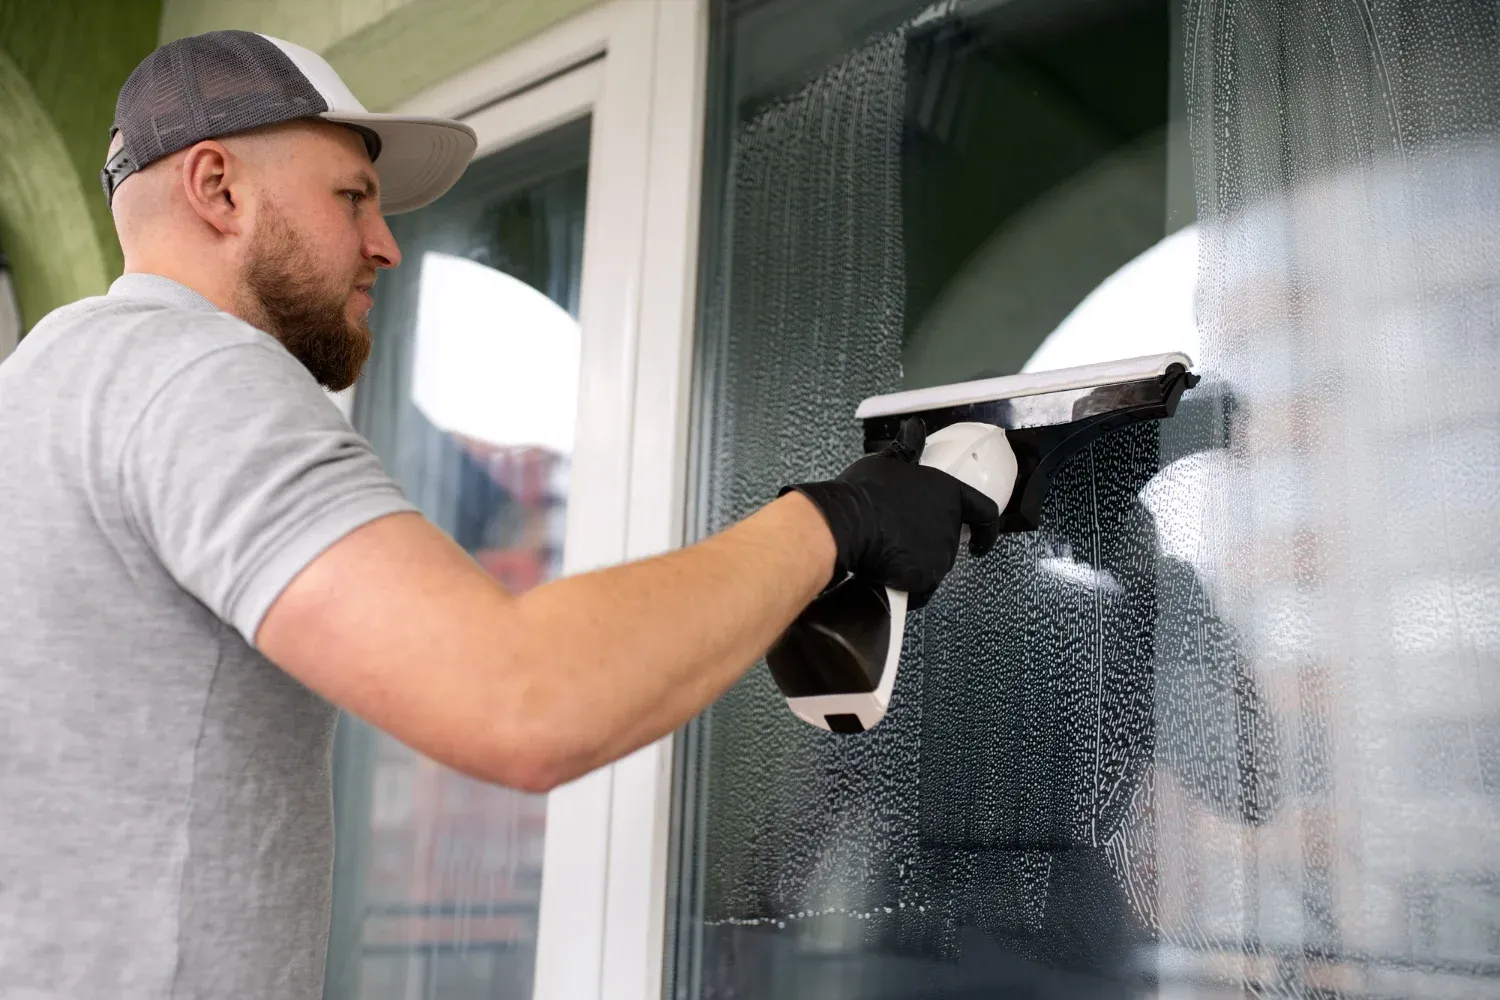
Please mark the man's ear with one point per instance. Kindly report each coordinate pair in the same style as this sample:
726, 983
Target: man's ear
212, 185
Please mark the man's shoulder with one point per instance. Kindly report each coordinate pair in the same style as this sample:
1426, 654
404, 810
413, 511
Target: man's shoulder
113, 356
156, 322
153, 340
121, 326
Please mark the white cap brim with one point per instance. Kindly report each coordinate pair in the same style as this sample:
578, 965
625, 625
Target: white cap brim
420, 158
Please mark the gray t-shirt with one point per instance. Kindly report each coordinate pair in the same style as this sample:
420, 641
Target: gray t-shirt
165, 805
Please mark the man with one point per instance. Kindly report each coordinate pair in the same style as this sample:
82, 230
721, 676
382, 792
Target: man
199, 558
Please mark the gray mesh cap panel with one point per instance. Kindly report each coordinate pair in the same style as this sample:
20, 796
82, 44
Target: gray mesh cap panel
223, 82
209, 85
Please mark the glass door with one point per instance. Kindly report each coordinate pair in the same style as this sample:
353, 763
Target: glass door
530, 387
1226, 724
471, 398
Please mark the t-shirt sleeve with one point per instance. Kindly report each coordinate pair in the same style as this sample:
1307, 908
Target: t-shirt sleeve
239, 471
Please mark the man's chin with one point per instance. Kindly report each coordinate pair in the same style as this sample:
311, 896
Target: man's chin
335, 360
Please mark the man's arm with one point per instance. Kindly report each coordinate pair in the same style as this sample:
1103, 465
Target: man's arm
395, 623
398, 625
263, 503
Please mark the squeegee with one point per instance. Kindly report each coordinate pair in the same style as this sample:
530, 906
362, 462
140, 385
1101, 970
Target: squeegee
1006, 437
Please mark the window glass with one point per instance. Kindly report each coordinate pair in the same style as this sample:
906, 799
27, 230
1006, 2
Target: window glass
470, 398
1168, 744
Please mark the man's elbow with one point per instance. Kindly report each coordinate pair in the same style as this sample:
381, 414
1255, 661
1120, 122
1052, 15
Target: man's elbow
535, 763
534, 773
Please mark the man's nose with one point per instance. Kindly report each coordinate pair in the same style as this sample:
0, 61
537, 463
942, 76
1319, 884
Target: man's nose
380, 244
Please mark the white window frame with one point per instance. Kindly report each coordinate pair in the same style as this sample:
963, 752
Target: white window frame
638, 67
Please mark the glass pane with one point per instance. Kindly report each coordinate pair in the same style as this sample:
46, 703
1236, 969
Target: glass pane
470, 398
1226, 725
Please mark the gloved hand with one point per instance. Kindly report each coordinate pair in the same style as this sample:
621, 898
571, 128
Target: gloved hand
897, 523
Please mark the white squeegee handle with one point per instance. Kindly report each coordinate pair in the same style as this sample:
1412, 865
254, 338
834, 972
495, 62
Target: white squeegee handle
1026, 384
979, 455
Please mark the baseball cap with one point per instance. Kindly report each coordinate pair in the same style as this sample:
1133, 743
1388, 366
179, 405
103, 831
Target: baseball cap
221, 82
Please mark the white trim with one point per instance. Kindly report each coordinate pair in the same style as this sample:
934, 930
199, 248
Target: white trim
638, 68
574, 41
575, 871
640, 821
558, 101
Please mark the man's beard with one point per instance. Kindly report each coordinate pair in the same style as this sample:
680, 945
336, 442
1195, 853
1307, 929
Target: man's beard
288, 302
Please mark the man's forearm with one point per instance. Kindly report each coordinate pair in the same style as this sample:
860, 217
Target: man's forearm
397, 624
632, 652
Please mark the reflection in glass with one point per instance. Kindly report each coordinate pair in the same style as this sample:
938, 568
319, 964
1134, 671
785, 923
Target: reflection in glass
1226, 724
495, 360
470, 398
1146, 307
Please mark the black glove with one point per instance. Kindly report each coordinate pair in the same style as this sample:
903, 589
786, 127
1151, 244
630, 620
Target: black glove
897, 523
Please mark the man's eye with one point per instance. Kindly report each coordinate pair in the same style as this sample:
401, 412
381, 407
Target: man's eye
355, 197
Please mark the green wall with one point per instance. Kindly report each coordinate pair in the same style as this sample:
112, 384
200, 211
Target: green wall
386, 50
61, 64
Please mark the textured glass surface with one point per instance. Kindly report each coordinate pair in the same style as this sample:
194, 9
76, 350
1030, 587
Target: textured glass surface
1228, 724
437, 877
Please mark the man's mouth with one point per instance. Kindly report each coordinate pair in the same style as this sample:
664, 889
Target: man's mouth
363, 290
